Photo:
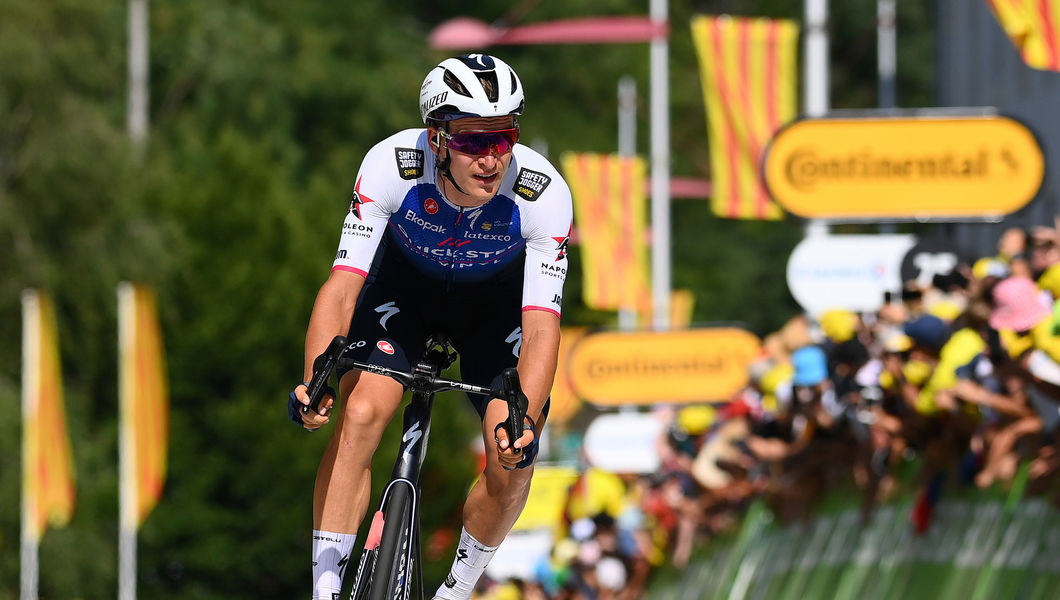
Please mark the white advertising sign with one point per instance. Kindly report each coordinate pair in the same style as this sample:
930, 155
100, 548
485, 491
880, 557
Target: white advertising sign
846, 271
624, 443
519, 555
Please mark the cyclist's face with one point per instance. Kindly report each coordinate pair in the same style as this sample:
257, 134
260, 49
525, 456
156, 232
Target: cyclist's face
480, 151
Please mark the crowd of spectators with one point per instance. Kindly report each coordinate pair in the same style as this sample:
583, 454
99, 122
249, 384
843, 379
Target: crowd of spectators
959, 377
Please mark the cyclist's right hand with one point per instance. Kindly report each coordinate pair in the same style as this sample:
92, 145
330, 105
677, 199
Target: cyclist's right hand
298, 403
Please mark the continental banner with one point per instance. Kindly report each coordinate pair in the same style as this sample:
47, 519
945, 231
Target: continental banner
904, 168
564, 402
748, 73
1032, 27
662, 367
610, 215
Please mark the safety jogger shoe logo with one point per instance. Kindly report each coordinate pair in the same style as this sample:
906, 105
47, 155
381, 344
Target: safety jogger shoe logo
531, 184
409, 162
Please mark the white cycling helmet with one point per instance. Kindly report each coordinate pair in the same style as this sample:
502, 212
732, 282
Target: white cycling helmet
460, 87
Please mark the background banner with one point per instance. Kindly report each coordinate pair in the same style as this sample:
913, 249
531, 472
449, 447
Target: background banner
1032, 27
748, 72
610, 215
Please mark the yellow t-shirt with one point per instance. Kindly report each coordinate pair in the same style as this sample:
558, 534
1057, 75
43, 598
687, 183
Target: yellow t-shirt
1041, 336
961, 348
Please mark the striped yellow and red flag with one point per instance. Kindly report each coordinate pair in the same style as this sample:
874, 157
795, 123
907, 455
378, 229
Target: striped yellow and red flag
1034, 27
144, 403
610, 217
748, 72
47, 462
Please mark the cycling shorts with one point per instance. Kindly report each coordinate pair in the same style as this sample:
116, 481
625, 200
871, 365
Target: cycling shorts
400, 307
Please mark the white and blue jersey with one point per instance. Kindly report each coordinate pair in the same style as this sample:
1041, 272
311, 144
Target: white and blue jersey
396, 197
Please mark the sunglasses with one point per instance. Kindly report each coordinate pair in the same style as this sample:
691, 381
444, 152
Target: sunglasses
481, 143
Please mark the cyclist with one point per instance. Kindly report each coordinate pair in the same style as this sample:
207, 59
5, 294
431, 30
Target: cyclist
453, 228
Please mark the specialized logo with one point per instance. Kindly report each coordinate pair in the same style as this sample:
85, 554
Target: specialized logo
385, 346
516, 337
430, 205
412, 436
431, 103
357, 200
478, 62
461, 554
410, 160
530, 184
342, 564
387, 310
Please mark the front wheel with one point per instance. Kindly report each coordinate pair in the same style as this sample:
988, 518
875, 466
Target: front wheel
393, 566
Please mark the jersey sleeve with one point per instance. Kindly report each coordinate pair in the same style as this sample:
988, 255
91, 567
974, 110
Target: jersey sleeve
547, 229
375, 197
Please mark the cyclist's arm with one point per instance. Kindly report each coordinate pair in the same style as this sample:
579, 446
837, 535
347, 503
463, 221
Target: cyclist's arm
332, 312
538, 357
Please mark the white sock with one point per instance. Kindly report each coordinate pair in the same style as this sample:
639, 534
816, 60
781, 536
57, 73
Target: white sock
471, 559
331, 554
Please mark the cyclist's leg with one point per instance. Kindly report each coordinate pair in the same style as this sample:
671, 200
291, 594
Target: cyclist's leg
369, 402
488, 343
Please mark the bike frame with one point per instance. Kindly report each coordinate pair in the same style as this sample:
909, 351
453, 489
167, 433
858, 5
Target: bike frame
423, 382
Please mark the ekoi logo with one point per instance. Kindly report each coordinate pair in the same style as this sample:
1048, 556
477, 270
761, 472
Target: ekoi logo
385, 346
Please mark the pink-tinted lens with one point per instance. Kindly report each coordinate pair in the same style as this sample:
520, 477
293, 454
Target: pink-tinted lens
480, 143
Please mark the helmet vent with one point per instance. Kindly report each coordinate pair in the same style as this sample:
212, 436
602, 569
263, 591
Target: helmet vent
515, 83
454, 84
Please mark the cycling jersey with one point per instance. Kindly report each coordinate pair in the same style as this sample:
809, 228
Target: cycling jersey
396, 195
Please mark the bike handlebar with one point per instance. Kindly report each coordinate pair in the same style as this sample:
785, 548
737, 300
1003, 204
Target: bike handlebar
510, 391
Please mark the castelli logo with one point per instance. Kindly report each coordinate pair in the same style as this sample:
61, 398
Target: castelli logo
385, 346
430, 205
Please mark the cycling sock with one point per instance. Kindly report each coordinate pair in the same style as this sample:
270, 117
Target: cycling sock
471, 560
331, 554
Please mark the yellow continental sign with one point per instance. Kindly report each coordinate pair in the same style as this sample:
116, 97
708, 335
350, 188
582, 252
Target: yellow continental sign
904, 167
649, 367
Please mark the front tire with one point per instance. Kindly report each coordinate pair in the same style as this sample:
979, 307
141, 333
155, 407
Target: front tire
393, 566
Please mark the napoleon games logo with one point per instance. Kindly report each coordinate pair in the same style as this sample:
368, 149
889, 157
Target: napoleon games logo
357, 200
385, 346
431, 206
561, 245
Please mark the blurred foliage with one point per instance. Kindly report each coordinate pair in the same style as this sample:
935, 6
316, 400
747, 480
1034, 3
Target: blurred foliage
260, 113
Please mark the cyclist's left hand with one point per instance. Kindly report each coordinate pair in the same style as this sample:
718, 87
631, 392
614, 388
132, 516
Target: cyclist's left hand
522, 452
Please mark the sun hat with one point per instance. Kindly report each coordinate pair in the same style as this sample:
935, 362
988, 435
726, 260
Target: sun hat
1017, 305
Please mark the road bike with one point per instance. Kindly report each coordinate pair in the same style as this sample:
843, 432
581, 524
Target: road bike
392, 548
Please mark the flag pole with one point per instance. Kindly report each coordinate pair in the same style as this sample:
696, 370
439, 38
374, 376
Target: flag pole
30, 536
126, 451
627, 148
660, 169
